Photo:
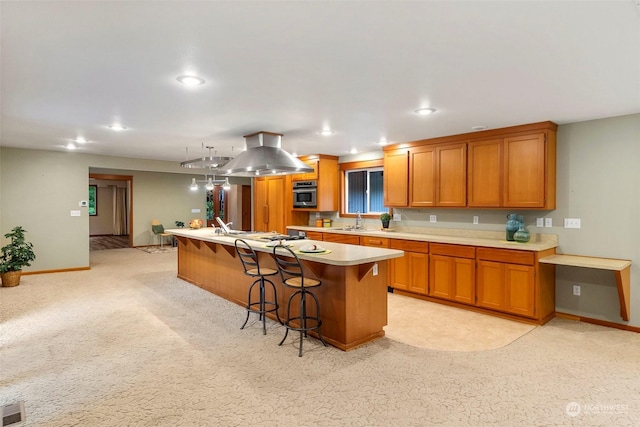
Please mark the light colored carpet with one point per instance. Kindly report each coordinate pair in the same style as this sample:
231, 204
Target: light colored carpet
128, 344
440, 327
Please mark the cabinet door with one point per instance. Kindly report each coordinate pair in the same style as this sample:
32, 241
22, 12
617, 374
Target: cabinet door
260, 214
441, 276
520, 290
275, 199
524, 171
341, 238
422, 176
314, 235
396, 178
419, 269
312, 162
491, 285
400, 272
484, 173
451, 175
464, 283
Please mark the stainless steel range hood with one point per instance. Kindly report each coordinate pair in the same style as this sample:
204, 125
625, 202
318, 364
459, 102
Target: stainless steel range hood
264, 156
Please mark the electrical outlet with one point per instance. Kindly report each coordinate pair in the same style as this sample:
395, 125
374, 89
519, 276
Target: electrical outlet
572, 223
576, 290
397, 217
433, 218
375, 269
548, 222
539, 222
476, 219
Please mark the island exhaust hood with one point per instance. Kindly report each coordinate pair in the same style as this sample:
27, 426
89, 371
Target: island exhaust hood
264, 156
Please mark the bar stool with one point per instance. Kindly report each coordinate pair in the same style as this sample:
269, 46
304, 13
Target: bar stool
252, 268
292, 276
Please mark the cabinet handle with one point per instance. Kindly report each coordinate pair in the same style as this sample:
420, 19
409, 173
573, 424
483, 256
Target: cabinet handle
265, 211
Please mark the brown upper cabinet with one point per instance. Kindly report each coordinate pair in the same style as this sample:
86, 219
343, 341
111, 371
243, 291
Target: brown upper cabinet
326, 172
511, 167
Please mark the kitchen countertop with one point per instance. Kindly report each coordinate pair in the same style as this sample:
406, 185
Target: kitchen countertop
490, 239
340, 254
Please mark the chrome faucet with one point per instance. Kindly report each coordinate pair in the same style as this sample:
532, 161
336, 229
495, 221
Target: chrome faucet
358, 220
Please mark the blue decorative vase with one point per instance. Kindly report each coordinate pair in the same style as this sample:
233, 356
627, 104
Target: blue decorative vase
522, 235
513, 225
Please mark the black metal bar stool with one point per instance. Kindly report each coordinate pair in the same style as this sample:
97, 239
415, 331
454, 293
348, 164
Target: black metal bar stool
292, 276
252, 268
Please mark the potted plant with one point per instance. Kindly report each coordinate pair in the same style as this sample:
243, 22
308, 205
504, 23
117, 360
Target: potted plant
15, 255
385, 218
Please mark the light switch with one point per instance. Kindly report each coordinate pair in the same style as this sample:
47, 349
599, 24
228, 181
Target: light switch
195, 210
75, 213
476, 219
397, 217
433, 218
539, 222
548, 222
572, 223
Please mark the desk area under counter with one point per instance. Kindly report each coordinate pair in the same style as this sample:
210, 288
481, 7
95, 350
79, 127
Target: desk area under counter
353, 294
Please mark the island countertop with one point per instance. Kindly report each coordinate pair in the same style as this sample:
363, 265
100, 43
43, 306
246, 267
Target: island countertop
339, 254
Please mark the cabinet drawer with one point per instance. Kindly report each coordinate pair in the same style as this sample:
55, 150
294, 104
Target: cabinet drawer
506, 256
380, 242
341, 238
453, 250
409, 246
314, 235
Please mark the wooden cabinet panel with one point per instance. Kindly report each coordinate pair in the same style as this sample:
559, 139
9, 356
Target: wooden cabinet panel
409, 245
451, 175
312, 162
341, 238
452, 278
314, 235
269, 196
400, 273
524, 171
440, 276
520, 290
490, 285
460, 251
464, 284
506, 256
422, 172
379, 242
419, 268
484, 173
396, 178
506, 287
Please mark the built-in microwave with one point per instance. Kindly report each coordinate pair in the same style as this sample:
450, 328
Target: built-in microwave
305, 194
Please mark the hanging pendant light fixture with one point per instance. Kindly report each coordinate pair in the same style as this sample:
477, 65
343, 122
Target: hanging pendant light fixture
226, 186
194, 185
211, 162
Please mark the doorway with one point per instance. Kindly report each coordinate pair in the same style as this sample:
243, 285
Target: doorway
110, 225
217, 205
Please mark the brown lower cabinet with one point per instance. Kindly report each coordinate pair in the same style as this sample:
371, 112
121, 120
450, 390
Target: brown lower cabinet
410, 272
452, 272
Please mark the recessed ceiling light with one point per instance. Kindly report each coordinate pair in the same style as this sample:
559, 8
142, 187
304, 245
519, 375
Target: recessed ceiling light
383, 141
353, 151
190, 80
70, 146
326, 132
425, 111
81, 140
478, 128
117, 127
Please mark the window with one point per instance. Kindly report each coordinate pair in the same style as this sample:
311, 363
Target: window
93, 200
363, 188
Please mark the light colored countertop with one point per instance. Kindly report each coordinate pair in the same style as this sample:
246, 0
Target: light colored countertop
490, 239
339, 253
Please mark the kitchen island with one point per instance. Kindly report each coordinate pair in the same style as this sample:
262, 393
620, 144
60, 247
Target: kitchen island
353, 295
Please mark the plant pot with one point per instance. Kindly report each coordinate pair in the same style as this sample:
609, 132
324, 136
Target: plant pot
385, 224
11, 278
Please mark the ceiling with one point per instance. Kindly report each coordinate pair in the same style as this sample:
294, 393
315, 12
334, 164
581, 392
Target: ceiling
361, 68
